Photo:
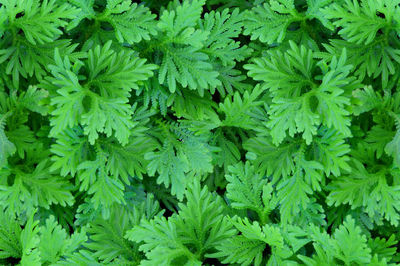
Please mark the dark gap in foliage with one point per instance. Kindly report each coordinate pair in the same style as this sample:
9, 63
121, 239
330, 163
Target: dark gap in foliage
154, 5
381, 15
305, 88
220, 191
389, 179
182, 260
20, 14
301, 5
167, 207
330, 229
243, 155
244, 40
138, 1
365, 121
216, 97
212, 262
313, 103
267, 251
36, 121
99, 6
104, 25
294, 26
166, 200
12, 261
87, 102
172, 117
81, 33
10, 180
308, 249
252, 215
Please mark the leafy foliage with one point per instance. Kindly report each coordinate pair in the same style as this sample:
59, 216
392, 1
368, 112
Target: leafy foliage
55, 244
271, 21
182, 155
41, 23
369, 28
294, 91
111, 76
187, 236
248, 190
17, 242
193, 132
7, 147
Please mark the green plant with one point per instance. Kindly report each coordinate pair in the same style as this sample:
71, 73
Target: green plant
194, 132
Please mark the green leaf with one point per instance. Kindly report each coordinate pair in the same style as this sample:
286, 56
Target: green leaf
315, 11
188, 67
7, 148
383, 248
182, 62
367, 98
85, 11
170, 167
46, 188
373, 60
100, 104
116, 73
284, 74
188, 236
248, 190
393, 147
241, 250
185, 16
378, 138
19, 243
248, 247
40, 21
347, 246
129, 160
351, 245
290, 111
294, 116
33, 60
299, 103
32, 100
38, 188
269, 22
238, 110
331, 150
224, 27
68, 102
181, 156
68, 151
332, 103
108, 116
10, 232
107, 237
97, 181
370, 191
56, 244
360, 23
131, 22
271, 160
29, 242
229, 154
293, 194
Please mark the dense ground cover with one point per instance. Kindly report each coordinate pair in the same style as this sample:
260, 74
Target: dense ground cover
199, 132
